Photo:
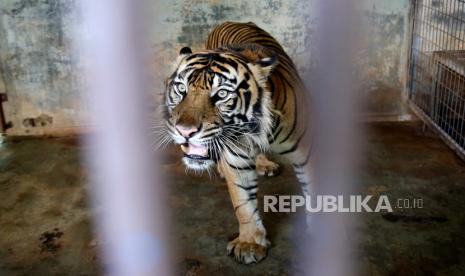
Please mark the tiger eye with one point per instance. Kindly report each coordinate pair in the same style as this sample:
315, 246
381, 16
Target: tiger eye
222, 93
181, 87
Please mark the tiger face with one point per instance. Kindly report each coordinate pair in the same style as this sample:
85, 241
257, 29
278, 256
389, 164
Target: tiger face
216, 104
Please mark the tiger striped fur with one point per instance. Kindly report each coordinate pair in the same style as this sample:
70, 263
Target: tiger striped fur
228, 105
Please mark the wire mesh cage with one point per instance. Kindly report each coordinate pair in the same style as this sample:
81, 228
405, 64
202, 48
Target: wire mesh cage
437, 68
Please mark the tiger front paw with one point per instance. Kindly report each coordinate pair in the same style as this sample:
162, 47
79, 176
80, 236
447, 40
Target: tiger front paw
265, 167
247, 252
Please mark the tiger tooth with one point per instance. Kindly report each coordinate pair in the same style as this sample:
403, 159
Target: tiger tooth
184, 148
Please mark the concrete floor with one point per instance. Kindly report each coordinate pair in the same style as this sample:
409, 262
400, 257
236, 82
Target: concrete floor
45, 224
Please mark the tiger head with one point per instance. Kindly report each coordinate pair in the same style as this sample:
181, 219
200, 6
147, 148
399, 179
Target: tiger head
216, 102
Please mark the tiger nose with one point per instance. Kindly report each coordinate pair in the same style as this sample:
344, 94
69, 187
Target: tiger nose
186, 131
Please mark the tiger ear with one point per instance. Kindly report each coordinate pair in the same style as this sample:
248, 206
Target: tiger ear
262, 68
185, 51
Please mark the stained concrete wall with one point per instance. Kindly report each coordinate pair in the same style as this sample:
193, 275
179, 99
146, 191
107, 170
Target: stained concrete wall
38, 66
42, 80
383, 57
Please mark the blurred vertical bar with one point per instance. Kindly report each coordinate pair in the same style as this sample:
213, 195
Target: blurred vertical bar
131, 221
333, 85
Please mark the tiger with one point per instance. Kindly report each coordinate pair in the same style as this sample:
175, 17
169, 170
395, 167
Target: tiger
231, 104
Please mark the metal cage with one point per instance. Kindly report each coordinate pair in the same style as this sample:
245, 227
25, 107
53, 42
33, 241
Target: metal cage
437, 68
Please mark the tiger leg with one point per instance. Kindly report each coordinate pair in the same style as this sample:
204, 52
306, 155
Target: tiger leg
305, 176
251, 244
306, 179
266, 167
302, 163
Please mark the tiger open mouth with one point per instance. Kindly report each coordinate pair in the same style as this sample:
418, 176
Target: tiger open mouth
197, 157
196, 152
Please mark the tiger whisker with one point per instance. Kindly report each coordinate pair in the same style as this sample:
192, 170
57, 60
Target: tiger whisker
232, 140
242, 151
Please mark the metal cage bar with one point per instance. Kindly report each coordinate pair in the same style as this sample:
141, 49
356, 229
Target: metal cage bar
437, 68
